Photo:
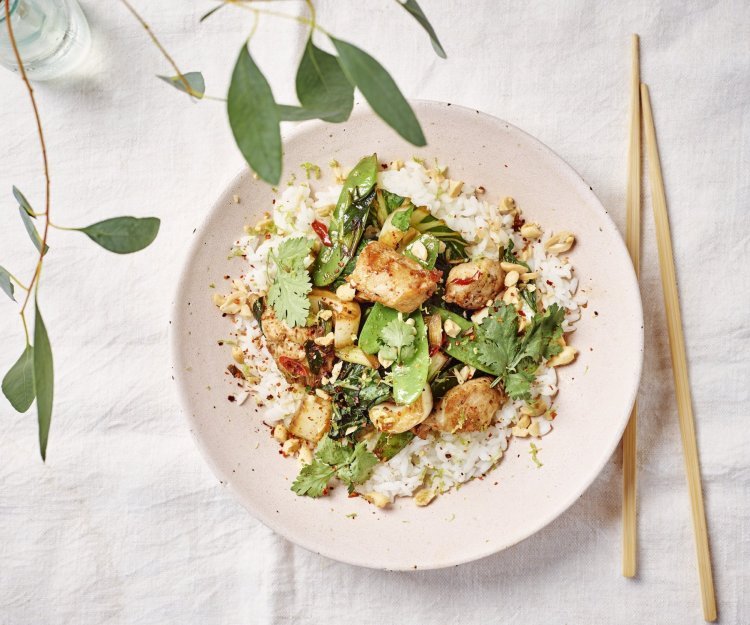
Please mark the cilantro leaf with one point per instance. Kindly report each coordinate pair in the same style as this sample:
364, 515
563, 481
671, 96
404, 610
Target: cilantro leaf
540, 340
360, 464
291, 285
313, 479
288, 297
401, 218
352, 465
398, 334
397, 339
291, 254
516, 357
518, 384
332, 453
499, 332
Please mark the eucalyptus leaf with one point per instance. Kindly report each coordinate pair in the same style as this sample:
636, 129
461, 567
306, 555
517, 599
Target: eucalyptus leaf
18, 383
31, 229
254, 118
6, 285
44, 382
123, 235
418, 14
289, 113
210, 12
322, 85
194, 79
380, 91
23, 202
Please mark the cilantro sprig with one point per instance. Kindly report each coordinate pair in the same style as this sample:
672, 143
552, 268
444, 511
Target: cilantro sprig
398, 340
351, 464
288, 292
513, 357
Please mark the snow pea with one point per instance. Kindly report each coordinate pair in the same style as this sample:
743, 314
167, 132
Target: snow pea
410, 377
348, 221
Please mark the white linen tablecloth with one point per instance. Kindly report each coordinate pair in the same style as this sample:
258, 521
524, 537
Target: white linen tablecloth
126, 524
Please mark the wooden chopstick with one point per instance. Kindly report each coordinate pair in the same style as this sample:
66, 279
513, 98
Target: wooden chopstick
679, 360
633, 242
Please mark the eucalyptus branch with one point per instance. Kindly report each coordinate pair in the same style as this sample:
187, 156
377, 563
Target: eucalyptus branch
40, 132
31, 378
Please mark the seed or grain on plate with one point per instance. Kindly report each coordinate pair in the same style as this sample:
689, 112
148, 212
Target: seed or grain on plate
424, 497
345, 292
452, 329
291, 446
565, 357
560, 242
454, 188
531, 230
528, 276
508, 267
325, 314
511, 278
280, 433
236, 199
378, 499
324, 341
305, 455
419, 250
322, 394
508, 205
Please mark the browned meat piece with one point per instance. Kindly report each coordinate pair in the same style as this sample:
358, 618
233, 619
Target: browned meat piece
468, 407
471, 285
383, 275
295, 351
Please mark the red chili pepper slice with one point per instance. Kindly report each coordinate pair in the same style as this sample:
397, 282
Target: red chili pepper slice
322, 231
434, 350
465, 281
295, 368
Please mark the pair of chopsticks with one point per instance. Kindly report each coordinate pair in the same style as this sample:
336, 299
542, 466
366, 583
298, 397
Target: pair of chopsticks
640, 98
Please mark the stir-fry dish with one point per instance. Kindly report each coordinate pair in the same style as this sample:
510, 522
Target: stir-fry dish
396, 329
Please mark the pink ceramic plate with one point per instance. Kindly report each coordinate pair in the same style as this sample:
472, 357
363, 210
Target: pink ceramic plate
485, 516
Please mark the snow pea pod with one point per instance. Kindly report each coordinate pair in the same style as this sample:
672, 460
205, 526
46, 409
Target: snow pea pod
348, 221
410, 377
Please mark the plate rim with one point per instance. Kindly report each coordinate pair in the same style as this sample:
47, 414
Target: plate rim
361, 110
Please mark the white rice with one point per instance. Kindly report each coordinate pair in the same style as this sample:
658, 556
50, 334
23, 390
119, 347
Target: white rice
440, 461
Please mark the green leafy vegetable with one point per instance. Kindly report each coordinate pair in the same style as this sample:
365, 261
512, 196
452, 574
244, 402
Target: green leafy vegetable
455, 244
515, 358
6, 284
291, 285
389, 445
495, 347
397, 339
313, 479
410, 375
123, 235
195, 82
32, 232
23, 202
386, 203
355, 391
431, 246
322, 85
347, 221
377, 319
254, 118
416, 11
18, 383
43, 379
401, 218
380, 91
351, 464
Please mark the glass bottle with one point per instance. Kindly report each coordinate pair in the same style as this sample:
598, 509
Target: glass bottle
52, 36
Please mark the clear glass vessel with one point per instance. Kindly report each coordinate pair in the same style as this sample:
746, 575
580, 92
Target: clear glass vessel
52, 36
